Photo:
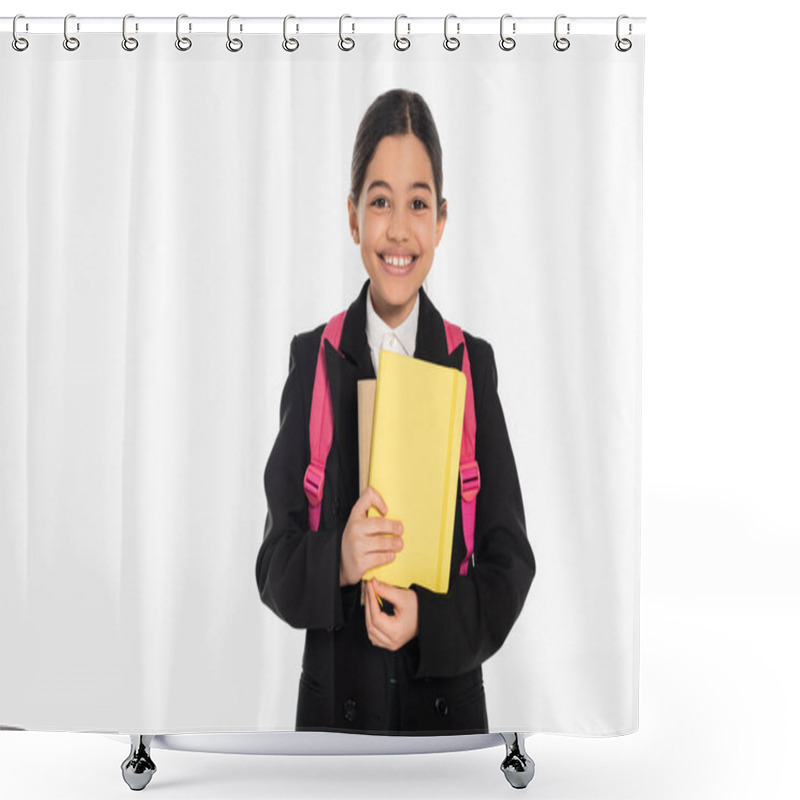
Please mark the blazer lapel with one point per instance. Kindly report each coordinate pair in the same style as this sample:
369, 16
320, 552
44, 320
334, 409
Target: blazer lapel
431, 336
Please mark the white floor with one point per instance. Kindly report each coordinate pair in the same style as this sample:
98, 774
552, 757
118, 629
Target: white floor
719, 707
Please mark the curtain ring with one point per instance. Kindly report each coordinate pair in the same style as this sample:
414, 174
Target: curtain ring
401, 43
70, 42
346, 43
561, 43
506, 42
290, 45
129, 43
18, 42
451, 42
234, 45
623, 45
181, 42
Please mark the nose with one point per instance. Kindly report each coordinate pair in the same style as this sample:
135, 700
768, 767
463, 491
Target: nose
398, 224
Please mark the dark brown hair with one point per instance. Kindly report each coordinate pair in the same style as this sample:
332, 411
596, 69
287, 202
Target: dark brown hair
395, 113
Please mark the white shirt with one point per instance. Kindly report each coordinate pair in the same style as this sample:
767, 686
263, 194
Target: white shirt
402, 339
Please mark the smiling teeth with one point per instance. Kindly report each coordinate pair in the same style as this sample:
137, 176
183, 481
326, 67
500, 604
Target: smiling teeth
396, 261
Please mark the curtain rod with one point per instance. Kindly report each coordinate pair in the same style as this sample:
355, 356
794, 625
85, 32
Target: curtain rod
329, 25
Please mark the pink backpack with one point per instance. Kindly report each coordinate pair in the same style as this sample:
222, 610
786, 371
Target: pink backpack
320, 428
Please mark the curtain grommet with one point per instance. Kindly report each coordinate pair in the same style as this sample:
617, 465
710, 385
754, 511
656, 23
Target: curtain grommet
451, 42
183, 43
70, 43
345, 42
289, 44
19, 43
234, 45
561, 43
129, 43
401, 42
507, 42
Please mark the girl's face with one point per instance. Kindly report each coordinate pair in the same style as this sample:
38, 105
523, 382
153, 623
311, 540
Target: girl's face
396, 224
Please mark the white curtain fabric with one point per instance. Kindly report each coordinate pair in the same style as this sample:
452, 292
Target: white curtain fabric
169, 221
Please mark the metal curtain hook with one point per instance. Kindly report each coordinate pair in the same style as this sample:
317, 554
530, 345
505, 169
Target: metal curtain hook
401, 43
451, 42
290, 45
129, 43
234, 45
346, 43
70, 42
18, 42
506, 42
182, 42
561, 43
623, 45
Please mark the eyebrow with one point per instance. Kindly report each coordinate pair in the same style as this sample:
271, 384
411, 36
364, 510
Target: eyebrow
416, 185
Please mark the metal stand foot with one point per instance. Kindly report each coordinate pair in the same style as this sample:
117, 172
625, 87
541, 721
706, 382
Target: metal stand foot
518, 766
138, 768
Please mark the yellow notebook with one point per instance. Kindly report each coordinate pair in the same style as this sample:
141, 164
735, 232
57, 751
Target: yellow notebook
414, 460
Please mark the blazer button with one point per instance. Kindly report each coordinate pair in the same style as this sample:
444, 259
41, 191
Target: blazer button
441, 707
350, 709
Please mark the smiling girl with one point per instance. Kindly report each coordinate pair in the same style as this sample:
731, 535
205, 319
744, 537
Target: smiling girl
409, 662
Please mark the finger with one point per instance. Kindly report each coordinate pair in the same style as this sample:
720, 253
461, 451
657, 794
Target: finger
372, 497
381, 543
366, 545
379, 560
379, 639
374, 631
366, 563
379, 619
362, 505
367, 605
374, 561
377, 612
378, 525
382, 641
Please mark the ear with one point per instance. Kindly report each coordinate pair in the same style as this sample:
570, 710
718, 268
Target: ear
352, 214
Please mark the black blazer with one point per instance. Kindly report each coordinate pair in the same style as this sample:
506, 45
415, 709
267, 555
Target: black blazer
434, 683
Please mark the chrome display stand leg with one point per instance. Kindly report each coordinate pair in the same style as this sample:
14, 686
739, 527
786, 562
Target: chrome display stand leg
138, 768
518, 766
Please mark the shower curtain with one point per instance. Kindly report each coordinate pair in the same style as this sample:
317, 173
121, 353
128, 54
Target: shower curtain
171, 220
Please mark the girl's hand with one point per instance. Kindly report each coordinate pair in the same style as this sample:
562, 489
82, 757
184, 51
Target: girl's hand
391, 632
365, 543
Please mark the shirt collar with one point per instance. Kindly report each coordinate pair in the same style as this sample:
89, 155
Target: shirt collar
406, 331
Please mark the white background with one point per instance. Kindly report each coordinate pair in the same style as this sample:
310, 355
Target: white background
719, 697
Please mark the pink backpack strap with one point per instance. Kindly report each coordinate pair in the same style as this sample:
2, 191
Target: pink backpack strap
469, 472
320, 423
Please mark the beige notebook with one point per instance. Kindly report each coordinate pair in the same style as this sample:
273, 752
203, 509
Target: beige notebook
366, 412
